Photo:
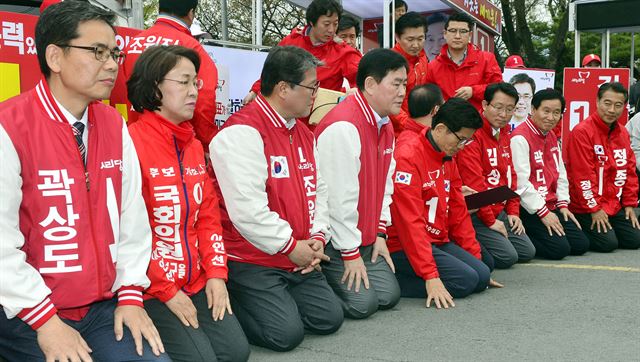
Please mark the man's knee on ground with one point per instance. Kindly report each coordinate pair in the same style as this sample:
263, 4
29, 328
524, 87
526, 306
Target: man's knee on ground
327, 323
361, 308
284, 338
466, 285
604, 243
506, 260
389, 299
527, 253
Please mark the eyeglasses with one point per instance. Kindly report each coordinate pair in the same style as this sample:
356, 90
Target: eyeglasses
461, 142
314, 89
101, 52
459, 31
196, 82
525, 96
500, 109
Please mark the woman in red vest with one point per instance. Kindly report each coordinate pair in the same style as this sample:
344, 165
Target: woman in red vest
187, 299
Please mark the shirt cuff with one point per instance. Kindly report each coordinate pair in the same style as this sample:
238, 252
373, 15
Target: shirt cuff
544, 211
382, 226
130, 295
319, 236
288, 247
562, 204
36, 316
350, 254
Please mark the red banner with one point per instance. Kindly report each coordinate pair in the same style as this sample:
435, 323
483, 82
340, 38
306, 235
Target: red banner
19, 69
483, 11
581, 90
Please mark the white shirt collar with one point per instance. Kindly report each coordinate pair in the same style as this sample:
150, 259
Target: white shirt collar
70, 117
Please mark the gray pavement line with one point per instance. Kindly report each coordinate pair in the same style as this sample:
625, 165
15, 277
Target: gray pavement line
585, 266
369, 358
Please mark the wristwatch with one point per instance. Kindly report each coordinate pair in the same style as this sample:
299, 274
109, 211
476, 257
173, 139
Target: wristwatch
383, 235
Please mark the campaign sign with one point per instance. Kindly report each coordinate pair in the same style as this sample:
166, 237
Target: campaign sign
527, 82
581, 89
19, 69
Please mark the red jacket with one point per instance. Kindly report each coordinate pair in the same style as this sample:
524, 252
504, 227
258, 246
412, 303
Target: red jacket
172, 31
485, 164
428, 206
357, 163
541, 176
417, 75
83, 233
340, 60
601, 168
477, 70
267, 174
182, 206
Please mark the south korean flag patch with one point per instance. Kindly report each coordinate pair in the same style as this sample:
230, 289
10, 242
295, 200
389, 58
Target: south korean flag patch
403, 178
279, 167
598, 149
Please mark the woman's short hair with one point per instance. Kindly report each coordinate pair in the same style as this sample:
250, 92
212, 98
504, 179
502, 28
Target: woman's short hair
150, 69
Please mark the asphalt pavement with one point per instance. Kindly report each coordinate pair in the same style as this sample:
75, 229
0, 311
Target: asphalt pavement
583, 308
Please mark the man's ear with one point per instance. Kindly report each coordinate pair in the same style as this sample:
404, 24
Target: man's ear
53, 55
370, 84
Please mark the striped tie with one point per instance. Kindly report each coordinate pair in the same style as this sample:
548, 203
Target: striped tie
78, 129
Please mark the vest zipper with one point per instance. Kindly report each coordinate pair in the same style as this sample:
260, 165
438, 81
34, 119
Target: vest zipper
300, 182
186, 219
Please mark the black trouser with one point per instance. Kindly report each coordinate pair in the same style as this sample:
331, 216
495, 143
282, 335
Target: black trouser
221, 340
461, 273
623, 235
275, 307
554, 247
383, 292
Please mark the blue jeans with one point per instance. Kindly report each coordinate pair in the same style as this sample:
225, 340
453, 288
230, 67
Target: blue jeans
18, 342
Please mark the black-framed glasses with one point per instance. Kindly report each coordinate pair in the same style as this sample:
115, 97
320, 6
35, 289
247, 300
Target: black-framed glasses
101, 52
461, 142
314, 89
196, 82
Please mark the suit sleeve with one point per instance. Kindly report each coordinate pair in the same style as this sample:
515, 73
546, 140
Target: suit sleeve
460, 228
490, 74
240, 166
23, 292
210, 243
582, 173
339, 154
470, 168
385, 213
320, 229
407, 211
562, 189
530, 199
134, 234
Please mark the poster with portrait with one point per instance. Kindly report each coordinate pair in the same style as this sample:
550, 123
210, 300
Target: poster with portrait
527, 81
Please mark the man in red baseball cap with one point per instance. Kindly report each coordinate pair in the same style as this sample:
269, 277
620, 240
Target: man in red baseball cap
514, 61
591, 61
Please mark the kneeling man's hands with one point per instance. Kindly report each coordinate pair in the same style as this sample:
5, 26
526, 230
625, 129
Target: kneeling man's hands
354, 272
438, 293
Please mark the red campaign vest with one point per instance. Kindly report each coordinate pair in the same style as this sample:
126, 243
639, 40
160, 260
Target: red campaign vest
375, 159
291, 181
544, 155
182, 208
601, 167
66, 221
170, 31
